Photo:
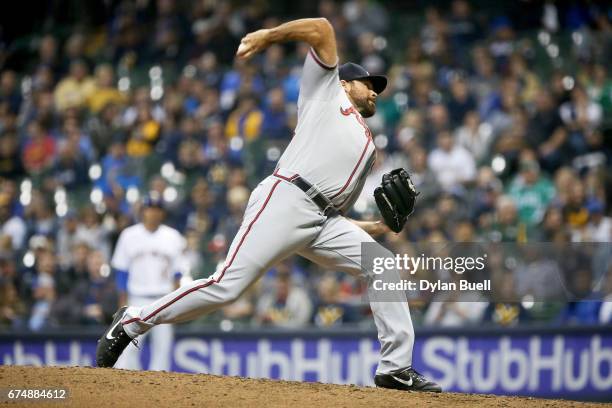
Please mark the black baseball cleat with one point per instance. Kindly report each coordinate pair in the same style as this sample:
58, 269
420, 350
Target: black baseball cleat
407, 380
113, 342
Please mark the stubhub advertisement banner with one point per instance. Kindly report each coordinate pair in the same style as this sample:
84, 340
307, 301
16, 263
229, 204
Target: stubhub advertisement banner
572, 364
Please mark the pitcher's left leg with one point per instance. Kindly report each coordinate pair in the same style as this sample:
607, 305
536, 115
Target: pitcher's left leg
338, 246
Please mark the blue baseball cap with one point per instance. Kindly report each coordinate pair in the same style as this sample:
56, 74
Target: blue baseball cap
153, 200
351, 71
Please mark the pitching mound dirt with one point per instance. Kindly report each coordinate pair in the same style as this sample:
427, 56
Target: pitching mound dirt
101, 387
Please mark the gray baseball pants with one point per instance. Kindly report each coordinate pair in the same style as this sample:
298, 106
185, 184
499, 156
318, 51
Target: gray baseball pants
280, 220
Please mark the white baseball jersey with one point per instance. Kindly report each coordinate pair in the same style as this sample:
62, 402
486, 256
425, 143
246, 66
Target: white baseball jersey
332, 147
150, 258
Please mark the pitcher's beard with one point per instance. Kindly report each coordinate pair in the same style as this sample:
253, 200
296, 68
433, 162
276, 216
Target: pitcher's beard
366, 109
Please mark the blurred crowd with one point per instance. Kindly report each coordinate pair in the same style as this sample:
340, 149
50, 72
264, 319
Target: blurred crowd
503, 122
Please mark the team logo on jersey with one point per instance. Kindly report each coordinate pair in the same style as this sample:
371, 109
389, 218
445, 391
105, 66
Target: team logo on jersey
352, 110
347, 111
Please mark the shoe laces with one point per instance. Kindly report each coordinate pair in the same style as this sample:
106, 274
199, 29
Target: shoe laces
415, 374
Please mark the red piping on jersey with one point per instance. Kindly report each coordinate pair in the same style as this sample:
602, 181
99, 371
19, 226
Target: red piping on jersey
321, 63
285, 178
368, 133
210, 282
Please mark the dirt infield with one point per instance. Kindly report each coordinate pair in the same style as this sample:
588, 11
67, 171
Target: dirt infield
117, 388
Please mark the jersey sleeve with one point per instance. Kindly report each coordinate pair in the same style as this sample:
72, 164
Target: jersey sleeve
319, 81
120, 260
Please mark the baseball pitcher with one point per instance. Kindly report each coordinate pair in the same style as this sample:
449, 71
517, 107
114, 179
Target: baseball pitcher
299, 208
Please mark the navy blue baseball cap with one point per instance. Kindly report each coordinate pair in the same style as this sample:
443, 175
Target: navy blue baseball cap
153, 200
351, 71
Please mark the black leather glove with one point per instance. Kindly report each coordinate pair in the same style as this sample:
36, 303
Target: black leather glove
395, 198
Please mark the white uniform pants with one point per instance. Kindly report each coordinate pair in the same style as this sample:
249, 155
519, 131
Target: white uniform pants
279, 221
161, 338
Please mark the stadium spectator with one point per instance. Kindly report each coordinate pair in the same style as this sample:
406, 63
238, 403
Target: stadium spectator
104, 128
275, 123
585, 304
453, 165
369, 56
12, 308
504, 310
75, 269
529, 84
237, 198
143, 134
11, 165
190, 158
43, 288
67, 238
74, 90
599, 88
40, 218
575, 211
552, 225
12, 226
434, 27
93, 232
504, 225
365, 16
580, 115
475, 136
485, 81
71, 168
105, 92
531, 192
484, 197
437, 114
539, 275
286, 305
599, 227
48, 55
329, 310
97, 295
460, 102
463, 29
245, 121
39, 150
199, 213
74, 49
9, 92
423, 177
545, 131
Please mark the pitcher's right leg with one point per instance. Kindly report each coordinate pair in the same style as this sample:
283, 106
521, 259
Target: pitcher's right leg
278, 221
